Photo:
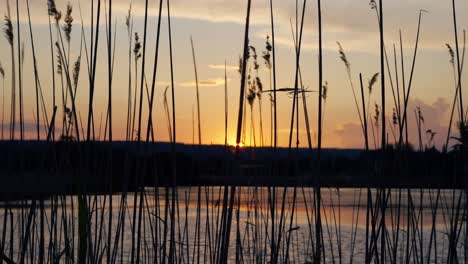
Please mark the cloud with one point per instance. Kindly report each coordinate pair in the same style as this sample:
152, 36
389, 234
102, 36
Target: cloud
28, 125
436, 118
221, 67
339, 23
348, 135
287, 131
204, 83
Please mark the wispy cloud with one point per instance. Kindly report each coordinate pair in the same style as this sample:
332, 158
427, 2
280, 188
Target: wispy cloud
203, 83
221, 67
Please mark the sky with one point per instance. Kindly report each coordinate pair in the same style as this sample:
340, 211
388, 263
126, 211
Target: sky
217, 28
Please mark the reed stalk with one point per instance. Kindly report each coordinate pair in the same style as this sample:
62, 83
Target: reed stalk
2, 73
197, 91
225, 106
8, 30
318, 223
36, 78
94, 47
20, 76
155, 67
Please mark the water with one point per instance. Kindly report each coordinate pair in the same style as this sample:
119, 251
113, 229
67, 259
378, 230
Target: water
429, 216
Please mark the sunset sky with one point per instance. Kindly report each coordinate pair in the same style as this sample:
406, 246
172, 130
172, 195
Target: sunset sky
217, 28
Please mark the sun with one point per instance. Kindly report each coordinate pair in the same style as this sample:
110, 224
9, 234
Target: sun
234, 144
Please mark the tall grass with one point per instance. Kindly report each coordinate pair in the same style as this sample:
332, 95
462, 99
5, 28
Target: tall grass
197, 91
155, 67
87, 228
8, 30
2, 73
225, 105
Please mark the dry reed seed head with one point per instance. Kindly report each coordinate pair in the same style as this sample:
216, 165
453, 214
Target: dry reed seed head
57, 16
325, 91
8, 30
394, 117
343, 57
59, 65
2, 71
377, 114
251, 96
137, 47
452, 54
266, 56
259, 84
59, 60
240, 65
51, 7
254, 52
372, 81
373, 4
128, 17
22, 53
67, 28
76, 71
254, 56
420, 116
267, 44
431, 134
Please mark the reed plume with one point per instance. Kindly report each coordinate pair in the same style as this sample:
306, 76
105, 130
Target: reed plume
324, 99
348, 71
258, 89
52, 10
76, 72
376, 117
451, 53
68, 19
2, 71
455, 99
344, 58
136, 56
372, 81
8, 28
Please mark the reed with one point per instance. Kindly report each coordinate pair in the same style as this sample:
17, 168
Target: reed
2, 73
8, 31
52, 10
93, 59
455, 99
457, 50
136, 55
142, 72
36, 78
155, 67
225, 106
129, 26
345, 61
197, 91
20, 68
171, 223
318, 224
408, 89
